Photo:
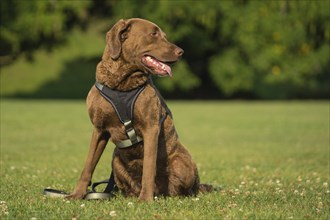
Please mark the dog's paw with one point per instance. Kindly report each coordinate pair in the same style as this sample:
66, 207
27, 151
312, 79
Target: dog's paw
76, 196
145, 197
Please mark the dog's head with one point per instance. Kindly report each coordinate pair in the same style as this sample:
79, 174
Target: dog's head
143, 45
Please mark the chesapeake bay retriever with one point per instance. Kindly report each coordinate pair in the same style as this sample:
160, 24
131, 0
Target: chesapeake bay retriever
160, 165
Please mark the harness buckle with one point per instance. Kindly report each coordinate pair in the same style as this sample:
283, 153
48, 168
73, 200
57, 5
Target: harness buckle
128, 125
130, 131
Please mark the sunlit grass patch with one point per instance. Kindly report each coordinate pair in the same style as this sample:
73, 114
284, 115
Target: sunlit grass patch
271, 160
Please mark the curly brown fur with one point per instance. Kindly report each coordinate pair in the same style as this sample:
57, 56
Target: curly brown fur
160, 165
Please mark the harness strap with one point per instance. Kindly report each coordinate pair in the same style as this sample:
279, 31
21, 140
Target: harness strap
123, 103
118, 100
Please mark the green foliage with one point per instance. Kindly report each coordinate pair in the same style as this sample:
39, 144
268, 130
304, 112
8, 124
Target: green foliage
243, 48
67, 72
27, 24
228, 75
274, 50
271, 160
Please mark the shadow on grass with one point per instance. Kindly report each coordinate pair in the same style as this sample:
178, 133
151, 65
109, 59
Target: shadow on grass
74, 82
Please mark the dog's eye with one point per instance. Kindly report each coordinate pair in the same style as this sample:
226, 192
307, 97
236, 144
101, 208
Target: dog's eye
154, 34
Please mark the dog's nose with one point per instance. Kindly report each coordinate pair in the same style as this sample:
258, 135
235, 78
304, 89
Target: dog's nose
178, 51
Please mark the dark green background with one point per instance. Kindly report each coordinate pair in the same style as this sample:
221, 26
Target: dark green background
233, 49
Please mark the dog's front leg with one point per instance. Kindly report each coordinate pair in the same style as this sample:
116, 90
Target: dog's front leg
150, 138
97, 145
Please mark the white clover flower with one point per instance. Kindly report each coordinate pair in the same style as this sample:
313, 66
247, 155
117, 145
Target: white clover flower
113, 213
4, 207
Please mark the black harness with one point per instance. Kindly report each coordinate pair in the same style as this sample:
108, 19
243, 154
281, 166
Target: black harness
123, 103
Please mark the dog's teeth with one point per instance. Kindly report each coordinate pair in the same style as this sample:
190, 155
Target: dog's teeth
148, 58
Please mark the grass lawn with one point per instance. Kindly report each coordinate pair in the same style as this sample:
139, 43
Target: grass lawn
271, 160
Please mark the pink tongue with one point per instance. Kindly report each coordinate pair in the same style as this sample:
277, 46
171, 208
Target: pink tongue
168, 69
159, 65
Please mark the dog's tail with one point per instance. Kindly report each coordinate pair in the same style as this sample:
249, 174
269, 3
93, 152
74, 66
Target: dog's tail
206, 188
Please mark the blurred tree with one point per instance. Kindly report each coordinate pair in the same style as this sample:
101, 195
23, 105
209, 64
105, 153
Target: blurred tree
239, 48
27, 25
277, 50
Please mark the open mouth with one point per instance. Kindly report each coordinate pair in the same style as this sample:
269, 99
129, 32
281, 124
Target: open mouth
156, 66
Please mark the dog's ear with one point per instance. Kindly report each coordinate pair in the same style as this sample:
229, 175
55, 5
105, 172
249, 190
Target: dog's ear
115, 36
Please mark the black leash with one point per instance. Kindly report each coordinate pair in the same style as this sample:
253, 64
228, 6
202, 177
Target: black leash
106, 194
108, 189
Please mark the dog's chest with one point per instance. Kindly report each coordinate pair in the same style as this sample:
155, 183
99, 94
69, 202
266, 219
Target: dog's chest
122, 103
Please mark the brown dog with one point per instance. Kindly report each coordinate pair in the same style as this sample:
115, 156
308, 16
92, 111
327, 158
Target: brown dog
159, 165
